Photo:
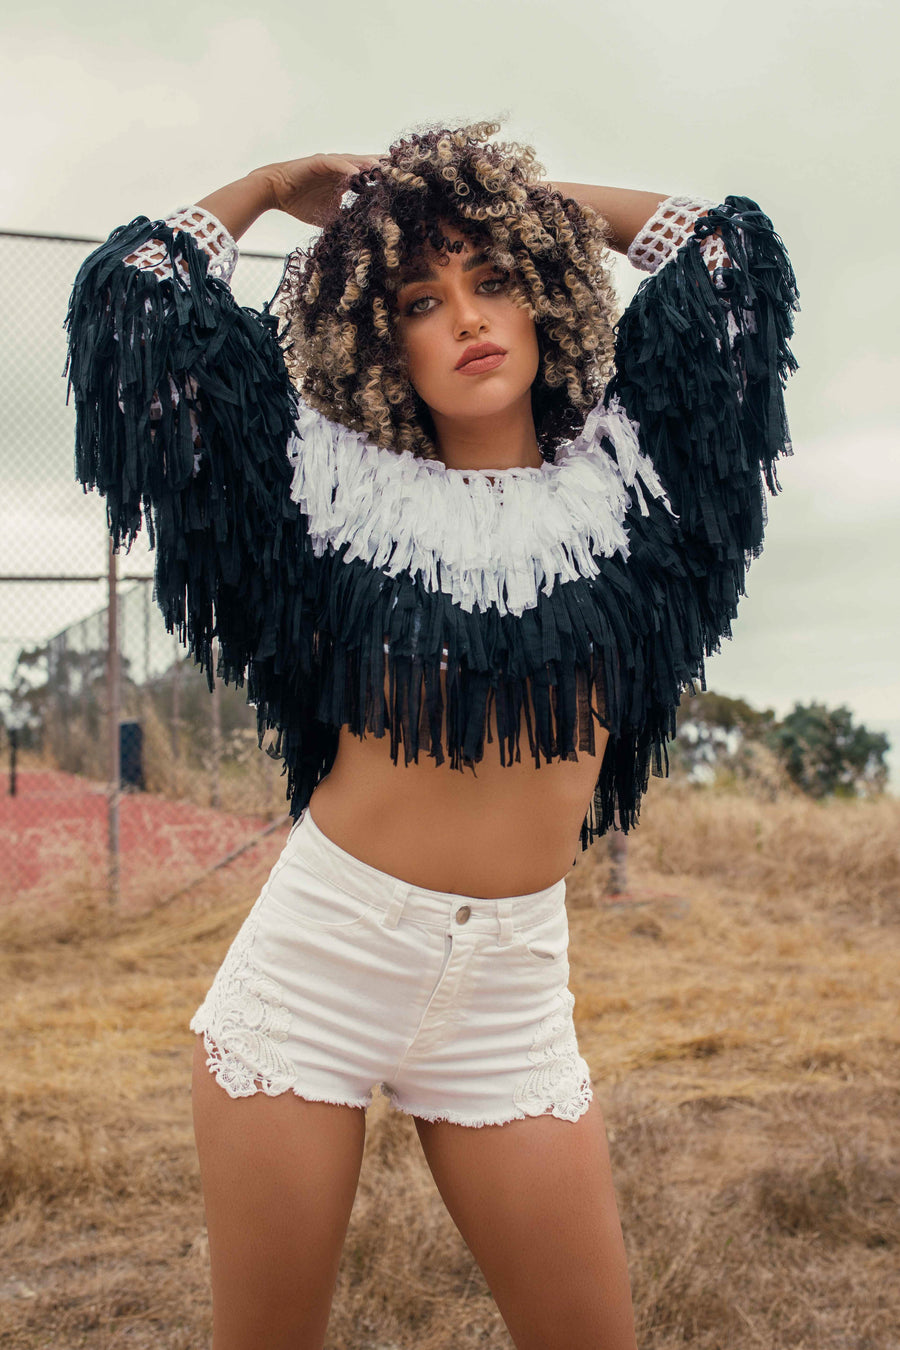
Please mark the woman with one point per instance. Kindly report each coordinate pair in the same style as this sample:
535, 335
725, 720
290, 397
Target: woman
498, 517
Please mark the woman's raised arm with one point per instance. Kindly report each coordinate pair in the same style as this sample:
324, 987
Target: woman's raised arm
309, 189
624, 209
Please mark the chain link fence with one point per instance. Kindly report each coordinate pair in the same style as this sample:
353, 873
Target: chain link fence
124, 776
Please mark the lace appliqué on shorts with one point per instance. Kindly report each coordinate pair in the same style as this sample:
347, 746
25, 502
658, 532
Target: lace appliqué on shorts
559, 1084
244, 1019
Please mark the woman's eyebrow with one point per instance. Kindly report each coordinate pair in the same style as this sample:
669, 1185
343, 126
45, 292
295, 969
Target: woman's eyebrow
419, 272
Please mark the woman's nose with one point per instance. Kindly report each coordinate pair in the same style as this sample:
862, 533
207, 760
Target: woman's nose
468, 315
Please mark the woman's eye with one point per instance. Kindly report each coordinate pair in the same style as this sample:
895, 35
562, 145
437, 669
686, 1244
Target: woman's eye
414, 306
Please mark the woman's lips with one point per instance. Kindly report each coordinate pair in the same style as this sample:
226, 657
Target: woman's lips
482, 363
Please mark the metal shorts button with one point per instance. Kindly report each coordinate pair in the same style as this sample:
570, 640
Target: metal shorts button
463, 913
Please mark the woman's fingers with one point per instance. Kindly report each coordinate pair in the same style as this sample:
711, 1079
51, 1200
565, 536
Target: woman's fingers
357, 162
312, 188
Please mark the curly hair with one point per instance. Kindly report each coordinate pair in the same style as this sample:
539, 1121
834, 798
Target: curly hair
337, 299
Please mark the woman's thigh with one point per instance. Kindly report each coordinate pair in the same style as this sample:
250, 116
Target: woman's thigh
534, 1201
279, 1177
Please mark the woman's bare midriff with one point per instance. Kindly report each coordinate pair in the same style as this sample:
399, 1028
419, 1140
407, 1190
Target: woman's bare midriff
494, 831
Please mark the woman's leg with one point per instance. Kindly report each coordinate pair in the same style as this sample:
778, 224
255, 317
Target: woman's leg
279, 1177
534, 1201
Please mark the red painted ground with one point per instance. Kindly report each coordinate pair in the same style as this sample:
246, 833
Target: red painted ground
56, 826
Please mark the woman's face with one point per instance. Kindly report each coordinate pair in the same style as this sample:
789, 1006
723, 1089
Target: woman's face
447, 307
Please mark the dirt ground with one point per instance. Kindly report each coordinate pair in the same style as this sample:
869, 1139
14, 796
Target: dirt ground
739, 1011
56, 825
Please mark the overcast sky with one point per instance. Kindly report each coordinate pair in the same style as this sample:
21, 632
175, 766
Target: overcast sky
116, 111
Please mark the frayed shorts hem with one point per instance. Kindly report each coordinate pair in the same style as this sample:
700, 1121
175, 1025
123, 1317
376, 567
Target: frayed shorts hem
239, 1081
246, 1085
457, 1117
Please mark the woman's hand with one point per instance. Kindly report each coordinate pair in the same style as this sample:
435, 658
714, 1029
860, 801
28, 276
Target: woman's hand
311, 188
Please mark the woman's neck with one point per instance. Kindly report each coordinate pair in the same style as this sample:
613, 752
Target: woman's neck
502, 440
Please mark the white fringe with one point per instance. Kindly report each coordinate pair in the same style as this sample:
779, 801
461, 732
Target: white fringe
484, 543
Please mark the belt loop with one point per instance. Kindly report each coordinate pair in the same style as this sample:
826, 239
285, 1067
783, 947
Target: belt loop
297, 823
395, 908
504, 914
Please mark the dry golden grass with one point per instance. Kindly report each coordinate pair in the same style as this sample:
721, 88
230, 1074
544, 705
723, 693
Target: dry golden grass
249, 783
741, 1023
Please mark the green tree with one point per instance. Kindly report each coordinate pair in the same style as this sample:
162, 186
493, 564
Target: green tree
825, 754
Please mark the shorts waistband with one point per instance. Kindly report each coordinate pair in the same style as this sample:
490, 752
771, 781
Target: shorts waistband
392, 894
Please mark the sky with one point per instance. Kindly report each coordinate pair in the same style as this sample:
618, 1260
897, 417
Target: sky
122, 111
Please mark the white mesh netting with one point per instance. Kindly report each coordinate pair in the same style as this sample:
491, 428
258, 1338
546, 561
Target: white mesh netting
670, 226
208, 232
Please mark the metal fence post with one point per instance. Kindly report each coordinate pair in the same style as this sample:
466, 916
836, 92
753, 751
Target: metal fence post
176, 703
216, 730
13, 747
617, 846
113, 705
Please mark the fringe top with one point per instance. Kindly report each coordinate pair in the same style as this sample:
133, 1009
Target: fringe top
589, 590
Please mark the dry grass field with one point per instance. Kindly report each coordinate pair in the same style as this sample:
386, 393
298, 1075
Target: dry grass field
740, 1015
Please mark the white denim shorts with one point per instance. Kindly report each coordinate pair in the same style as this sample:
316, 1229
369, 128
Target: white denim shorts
343, 978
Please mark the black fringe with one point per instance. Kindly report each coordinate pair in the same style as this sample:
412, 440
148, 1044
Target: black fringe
227, 538
234, 560
712, 418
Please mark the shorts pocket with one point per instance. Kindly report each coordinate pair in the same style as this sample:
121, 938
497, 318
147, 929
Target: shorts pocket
304, 898
547, 940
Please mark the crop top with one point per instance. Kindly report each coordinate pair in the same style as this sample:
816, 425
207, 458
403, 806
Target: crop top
588, 590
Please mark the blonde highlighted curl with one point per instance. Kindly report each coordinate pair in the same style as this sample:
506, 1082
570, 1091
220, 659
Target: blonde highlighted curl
337, 299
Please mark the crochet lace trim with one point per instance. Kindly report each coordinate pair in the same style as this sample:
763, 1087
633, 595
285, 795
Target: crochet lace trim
486, 537
244, 1020
559, 1084
208, 232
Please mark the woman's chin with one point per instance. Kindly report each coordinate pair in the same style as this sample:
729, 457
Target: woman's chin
485, 400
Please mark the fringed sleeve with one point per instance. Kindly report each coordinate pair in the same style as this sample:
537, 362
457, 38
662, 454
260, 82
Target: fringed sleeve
702, 359
183, 415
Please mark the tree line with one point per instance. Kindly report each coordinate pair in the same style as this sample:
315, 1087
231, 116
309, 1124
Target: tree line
817, 749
